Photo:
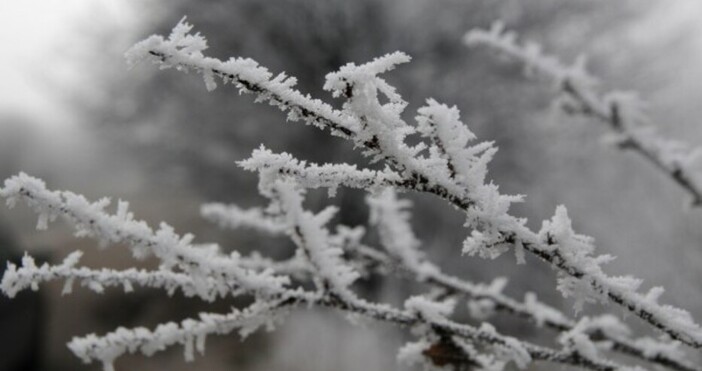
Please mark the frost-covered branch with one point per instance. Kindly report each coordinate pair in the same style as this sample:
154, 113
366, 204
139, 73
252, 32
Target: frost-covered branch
29, 275
419, 312
329, 267
232, 216
446, 160
183, 51
313, 239
310, 175
174, 251
191, 333
381, 131
620, 111
391, 216
310, 235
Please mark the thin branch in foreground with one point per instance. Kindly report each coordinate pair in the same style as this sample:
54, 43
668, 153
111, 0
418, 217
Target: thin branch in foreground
28, 275
91, 220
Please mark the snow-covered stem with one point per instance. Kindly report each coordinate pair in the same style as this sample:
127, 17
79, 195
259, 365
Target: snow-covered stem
91, 220
232, 216
620, 111
546, 250
311, 175
446, 162
29, 275
390, 215
485, 335
379, 129
337, 295
184, 52
543, 314
308, 231
191, 333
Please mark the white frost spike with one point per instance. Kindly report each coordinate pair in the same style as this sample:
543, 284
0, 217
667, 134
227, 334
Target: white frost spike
513, 349
577, 339
309, 232
430, 309
442, 124
483, 362
391, 216
654, 294
541, 312
232, 216
339, 82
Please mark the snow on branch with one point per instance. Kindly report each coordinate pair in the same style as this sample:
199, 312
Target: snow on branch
91, 220
326, 258
391, 216
420, 313
312, 237
445, 162
183, 51
486, 299
450, 137
590, 283
29, 275
270, 165
620, 111
495, 229
380, 129
232, 216
309, 233
191, 333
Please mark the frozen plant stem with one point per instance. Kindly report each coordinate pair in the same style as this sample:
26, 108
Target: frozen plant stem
379, 129
334, 295
403, 258
620, 111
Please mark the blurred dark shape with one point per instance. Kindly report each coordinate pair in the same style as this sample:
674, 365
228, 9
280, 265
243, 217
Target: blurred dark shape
22, 319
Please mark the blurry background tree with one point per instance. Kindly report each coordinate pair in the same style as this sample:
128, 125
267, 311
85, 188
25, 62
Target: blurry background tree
183, 141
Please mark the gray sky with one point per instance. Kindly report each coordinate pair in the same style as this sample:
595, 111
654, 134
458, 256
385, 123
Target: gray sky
39, 41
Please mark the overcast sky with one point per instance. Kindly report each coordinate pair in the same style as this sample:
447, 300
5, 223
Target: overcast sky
39, 39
